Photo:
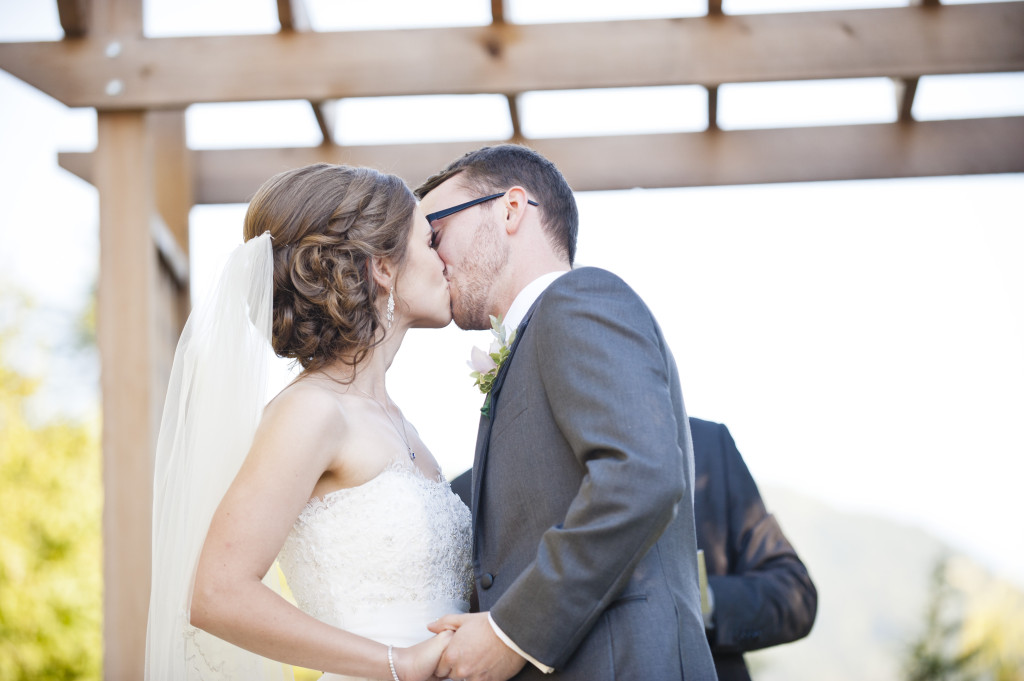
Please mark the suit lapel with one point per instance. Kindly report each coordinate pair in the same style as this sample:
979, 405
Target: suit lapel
483, 434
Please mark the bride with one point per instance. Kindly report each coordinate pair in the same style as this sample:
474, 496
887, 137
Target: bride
329, 479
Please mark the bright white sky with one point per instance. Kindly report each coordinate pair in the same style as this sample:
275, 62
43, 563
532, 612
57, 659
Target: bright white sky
864, 341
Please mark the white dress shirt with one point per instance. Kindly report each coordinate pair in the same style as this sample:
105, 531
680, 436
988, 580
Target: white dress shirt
526, 298
520, 306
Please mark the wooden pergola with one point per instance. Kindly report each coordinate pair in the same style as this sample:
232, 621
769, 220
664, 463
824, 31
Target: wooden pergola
148, 179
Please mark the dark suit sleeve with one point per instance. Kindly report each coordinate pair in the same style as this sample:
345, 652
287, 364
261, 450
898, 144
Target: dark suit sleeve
463, 487
767, 597
606, 378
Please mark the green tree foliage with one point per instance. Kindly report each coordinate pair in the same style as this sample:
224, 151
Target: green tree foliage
973, 629
50, 543
936, 654
993, 623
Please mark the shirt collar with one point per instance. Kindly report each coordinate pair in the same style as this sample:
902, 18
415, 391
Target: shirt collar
530, 293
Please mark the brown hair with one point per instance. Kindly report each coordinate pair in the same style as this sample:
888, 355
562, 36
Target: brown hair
496, 169
327, 223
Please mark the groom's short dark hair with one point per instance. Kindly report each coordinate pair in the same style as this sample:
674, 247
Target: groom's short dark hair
496, 169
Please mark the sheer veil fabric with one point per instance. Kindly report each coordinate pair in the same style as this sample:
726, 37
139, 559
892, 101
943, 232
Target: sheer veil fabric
216, 394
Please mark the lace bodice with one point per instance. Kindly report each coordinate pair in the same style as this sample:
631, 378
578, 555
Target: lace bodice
400, 540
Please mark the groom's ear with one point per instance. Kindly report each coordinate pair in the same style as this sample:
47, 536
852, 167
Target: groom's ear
515, 208
383, 272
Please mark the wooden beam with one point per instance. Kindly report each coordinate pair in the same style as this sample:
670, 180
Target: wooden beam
172, 169
906, 89
173, 189
74, 17
899, 42
513, 113
127, 282
324, 112
854, 152
173, 195
171, 253
712, 107
115, 18
714, 10
293, 15
723, 158
498, 11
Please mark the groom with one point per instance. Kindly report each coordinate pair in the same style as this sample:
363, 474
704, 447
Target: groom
583, 456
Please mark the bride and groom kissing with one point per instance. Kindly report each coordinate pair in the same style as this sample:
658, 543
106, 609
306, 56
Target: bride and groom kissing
579, 549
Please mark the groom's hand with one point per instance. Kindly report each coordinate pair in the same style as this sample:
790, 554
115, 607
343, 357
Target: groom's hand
475, 652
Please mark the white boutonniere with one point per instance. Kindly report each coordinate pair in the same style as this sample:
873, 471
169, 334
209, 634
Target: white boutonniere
485, 365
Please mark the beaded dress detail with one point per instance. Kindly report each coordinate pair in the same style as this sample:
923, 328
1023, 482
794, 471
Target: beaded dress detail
383, 559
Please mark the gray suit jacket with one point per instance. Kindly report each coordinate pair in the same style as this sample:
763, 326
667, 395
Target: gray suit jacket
582, 465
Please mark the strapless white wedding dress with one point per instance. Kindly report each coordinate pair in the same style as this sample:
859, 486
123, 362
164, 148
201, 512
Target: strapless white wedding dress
383, 559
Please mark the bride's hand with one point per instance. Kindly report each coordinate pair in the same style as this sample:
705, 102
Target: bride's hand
418, 662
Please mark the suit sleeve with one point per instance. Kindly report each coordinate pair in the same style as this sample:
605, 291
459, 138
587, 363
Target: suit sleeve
463, 487
767, 597
606, 375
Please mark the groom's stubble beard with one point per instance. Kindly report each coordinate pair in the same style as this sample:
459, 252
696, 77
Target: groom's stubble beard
473, 284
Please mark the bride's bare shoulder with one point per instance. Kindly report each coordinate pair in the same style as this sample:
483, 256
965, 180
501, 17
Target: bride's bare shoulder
308, 405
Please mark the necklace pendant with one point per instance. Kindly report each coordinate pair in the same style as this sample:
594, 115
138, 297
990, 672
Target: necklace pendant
412, 455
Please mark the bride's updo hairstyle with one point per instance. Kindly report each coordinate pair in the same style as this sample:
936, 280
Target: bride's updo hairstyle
327, 222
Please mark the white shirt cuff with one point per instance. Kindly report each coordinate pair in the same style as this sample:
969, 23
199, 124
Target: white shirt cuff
507, 641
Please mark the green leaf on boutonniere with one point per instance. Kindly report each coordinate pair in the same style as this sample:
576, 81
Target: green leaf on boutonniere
486, 365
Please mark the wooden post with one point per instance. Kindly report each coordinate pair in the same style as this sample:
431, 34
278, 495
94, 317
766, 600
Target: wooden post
127, 287
144, 179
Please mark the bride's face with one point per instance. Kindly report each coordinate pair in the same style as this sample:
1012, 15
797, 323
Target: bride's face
421, 292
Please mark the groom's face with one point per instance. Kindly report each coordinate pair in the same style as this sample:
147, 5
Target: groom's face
470, 245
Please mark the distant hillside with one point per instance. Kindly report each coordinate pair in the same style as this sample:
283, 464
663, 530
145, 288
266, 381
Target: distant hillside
872, 577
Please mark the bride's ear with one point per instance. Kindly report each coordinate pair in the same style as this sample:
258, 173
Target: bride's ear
383, 272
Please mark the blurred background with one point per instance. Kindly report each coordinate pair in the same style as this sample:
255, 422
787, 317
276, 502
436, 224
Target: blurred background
863, 340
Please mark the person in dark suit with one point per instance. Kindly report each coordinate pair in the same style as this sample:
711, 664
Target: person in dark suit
583, 456
762, 594
760, 590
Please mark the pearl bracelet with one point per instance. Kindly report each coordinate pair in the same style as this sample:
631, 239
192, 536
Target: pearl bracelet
391, 663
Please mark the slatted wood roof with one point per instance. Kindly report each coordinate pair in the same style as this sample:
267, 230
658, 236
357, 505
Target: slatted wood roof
130, 72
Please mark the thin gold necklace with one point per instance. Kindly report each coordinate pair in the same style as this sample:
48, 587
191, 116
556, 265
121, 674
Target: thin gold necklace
404, 434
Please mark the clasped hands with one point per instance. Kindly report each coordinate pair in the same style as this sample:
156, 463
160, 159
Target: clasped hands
474, 653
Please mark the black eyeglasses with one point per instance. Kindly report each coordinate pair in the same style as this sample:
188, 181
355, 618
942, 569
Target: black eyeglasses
463, 206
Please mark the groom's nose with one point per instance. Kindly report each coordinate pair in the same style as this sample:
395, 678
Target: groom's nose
444, 262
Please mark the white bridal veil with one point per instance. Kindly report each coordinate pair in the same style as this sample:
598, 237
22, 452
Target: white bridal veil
216, 394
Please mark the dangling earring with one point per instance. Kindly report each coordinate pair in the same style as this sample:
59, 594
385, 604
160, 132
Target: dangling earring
391, 306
